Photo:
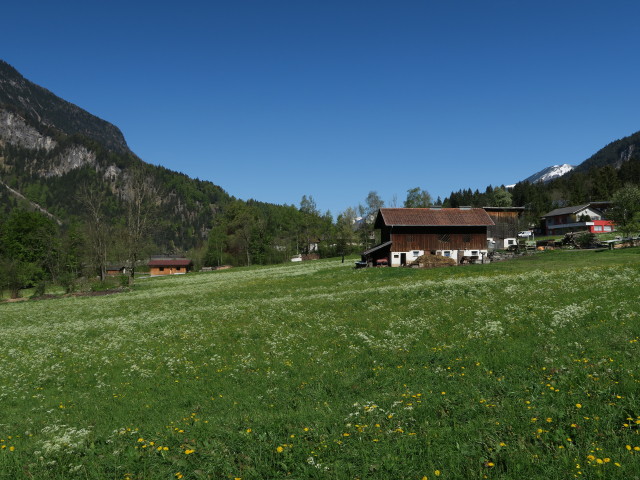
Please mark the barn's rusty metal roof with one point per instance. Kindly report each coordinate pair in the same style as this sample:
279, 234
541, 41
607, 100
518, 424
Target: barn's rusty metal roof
429, 217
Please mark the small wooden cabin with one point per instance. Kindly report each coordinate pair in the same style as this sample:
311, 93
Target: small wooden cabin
408, 233
115, 270
169, 266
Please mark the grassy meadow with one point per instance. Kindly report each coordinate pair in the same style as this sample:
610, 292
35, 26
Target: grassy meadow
518, 370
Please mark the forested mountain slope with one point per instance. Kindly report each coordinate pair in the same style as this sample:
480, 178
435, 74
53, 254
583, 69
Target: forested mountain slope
50, 150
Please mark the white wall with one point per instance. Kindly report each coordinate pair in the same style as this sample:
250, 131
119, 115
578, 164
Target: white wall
414, 254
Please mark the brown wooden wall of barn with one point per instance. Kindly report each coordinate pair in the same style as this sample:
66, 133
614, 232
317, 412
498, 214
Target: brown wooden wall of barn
436, 238
507, 224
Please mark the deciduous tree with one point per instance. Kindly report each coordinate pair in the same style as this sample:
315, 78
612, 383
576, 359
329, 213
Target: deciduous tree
417, 198
625, 211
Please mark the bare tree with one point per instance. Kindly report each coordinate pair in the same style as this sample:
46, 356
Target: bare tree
142, 200
97, 226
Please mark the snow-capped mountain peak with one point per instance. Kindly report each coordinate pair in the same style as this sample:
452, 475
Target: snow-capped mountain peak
548, 174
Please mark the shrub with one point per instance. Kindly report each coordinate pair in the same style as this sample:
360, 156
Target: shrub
67, 281
40, 288
584, 239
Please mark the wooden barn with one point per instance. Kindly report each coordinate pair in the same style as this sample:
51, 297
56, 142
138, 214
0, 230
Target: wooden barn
169, 266
507, 223
408, 233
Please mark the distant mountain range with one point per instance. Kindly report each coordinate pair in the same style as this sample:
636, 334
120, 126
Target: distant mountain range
615, 154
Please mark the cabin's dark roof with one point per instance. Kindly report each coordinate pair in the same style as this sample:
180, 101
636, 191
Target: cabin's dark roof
566, 210
429, 217
173, 262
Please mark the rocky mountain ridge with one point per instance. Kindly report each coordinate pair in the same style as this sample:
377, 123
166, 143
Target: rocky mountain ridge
50, 148
41, 108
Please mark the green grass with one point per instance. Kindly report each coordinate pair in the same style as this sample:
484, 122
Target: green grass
521, 369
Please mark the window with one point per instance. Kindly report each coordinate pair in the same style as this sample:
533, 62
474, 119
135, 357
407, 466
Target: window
416, 253
161, 269
177, 269
444, 238
447, 253
396, 255
597, 228
466, 238
607, 228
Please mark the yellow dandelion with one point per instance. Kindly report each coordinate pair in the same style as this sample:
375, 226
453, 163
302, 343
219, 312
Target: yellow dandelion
436, 473
578, 405
189, 451
279, 449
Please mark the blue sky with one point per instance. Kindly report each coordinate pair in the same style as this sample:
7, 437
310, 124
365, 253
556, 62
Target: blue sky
273, 100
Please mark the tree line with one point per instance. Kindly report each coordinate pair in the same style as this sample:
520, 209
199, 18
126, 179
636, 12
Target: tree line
126, 229
574, 188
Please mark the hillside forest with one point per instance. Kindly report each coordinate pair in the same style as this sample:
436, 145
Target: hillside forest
118, 225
